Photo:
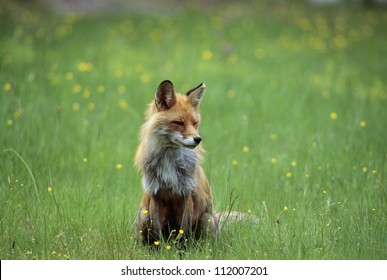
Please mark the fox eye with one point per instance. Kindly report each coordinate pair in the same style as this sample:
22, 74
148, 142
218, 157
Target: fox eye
179, 123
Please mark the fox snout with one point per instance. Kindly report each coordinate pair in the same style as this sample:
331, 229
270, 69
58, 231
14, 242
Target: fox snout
197, 140
188, 142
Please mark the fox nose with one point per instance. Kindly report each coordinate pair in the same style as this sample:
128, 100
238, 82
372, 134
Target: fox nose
197, 139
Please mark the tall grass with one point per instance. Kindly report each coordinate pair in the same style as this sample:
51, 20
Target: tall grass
293, 121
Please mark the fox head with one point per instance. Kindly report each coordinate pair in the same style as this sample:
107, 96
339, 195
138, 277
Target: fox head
174, 118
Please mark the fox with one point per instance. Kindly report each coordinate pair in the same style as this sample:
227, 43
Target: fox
177, 196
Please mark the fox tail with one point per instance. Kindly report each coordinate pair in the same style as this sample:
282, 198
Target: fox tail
229, 217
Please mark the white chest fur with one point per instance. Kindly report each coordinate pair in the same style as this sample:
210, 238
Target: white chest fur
170, 168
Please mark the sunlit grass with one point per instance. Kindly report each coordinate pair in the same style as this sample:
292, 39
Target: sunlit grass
293, 121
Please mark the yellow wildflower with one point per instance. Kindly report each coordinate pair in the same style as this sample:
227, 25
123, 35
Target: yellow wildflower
90, 106
121, 89
333, 116
76, 106
123, 104
231, 93
7, 86
119, 73
77, 88
85, 67
100, 89
145, 78
207, 55
273, 136
69, 76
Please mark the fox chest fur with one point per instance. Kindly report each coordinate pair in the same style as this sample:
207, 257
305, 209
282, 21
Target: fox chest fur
170, 168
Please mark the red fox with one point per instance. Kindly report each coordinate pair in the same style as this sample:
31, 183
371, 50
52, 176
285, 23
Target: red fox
177, 195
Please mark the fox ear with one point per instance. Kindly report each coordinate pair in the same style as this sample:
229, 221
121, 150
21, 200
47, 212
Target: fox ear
195, 94
165, 96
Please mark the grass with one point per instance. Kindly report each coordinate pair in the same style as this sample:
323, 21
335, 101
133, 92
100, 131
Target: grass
294, 121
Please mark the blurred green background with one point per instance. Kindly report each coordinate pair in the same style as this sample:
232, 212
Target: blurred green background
293, 120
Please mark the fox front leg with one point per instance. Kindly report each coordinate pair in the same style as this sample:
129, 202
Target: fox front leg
154, 228
187, 216
143, 225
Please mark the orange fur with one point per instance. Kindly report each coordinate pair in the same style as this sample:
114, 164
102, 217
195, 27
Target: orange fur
177, 194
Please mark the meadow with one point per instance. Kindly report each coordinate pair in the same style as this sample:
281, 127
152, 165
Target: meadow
294, 122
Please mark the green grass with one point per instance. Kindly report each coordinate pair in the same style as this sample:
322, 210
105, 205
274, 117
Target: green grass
73, 90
